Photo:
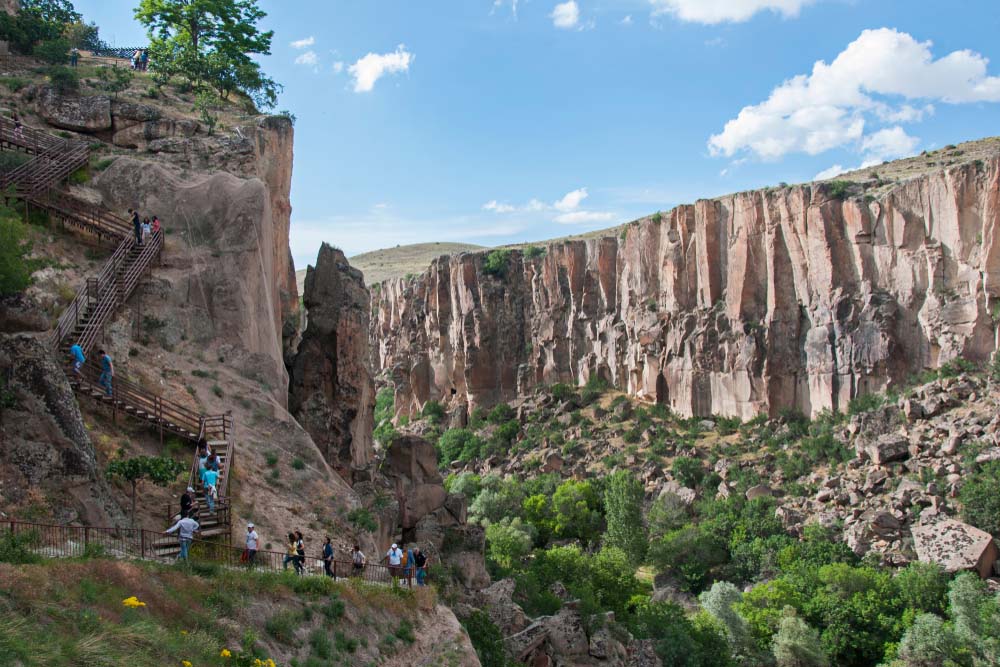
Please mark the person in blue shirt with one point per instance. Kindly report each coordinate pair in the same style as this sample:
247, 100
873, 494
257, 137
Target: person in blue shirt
76, 354
210, 478
107, 371
327, 556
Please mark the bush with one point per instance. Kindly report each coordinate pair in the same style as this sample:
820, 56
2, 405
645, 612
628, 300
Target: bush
362, 519
63, 79
15, 266
980, 496
679, 641
689, 554
433, 411
458, 444
838, 189
688, 471
531, 252
563, 392
16, 548
53, 51
500, 413
496, 262
487, 640
508, 541
796, 644
576, 508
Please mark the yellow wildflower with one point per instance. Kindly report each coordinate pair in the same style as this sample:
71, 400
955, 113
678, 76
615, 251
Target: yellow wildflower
133, 602
184, 632
225, 653
185, 663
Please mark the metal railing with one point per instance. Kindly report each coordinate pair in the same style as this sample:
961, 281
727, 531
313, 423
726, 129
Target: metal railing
54, 541
89, 217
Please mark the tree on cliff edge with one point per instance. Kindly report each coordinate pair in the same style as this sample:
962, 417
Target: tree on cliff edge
210, 42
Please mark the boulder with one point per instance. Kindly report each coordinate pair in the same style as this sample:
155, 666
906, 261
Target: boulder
566, 635
956, 546
74, 112
759, 491
498, 602
887, 448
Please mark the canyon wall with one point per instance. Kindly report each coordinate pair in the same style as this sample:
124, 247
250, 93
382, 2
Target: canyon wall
745, 304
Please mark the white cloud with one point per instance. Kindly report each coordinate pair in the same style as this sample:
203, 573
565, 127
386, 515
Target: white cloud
366, 71
571, 200
308, 58
566, 15
627, 20
338, 67
835, 170
722, 11
578, 217
888, 144
303, 43
830, 107
500, 3
497, 207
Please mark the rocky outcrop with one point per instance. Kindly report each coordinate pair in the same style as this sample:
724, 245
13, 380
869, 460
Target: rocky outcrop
331, 390
48, 467
74, 112
956, 546
749, 303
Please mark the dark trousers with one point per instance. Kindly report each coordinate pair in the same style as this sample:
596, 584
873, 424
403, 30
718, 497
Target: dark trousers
326, 568
138, 235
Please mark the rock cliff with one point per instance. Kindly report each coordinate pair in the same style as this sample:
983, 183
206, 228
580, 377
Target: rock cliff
332, 393
792, 297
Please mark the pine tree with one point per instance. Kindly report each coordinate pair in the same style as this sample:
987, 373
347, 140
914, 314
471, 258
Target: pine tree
623, 511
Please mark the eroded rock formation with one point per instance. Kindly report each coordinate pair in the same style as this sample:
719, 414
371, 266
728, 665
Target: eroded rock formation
331, 391
749, 303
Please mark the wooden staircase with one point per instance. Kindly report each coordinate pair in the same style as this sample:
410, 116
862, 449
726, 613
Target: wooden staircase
52, 160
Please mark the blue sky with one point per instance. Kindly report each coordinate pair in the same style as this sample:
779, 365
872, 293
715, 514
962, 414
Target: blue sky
495, 121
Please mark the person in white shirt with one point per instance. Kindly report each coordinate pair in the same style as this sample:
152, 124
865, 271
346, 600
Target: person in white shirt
394, 556
185, 528
253, 539
358, 559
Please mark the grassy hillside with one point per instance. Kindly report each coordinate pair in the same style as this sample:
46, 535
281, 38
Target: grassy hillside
58, 613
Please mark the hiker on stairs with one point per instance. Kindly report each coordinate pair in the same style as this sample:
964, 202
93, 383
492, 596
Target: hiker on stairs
185, 528
210, 479
107, 371
76, 354
187, 501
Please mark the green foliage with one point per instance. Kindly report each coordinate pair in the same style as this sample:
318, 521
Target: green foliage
487, 640
865, 403
980, 497
433, 411
37, 21
467, 483
667, 513
923, 587
458, 444
115, 80
384, 404
680, 641
596, 386
362, 519
509, 541
496, 261
576, 510
562, 391
500, 414
688, 471
623, 499
53, 51
689, 554
63, 79
205, 104
838, 189
15, 265
796, 644
210, 42
534, 251
657, 218
16, 548
160, 470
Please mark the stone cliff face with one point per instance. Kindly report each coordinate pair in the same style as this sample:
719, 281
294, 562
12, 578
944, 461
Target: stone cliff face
749, 303
332, 393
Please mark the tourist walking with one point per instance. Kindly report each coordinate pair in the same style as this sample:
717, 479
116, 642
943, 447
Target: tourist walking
136, 226
420, 563
185, 528
18, 127
327, 556
358, 561
408, 565
290, 555
212, 463
107, 372
300, 553
210, 479
74, 57
395, 559
144, 60
156, 225
253, 540
147, 229
187, 502
76, 354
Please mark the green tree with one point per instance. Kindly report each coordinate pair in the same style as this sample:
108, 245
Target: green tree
115, 79
508, 541
576, 508
720, 601
159, 470
623, 499
15, 267
980, 498
930, 642
210, 41
796, 644
976, 615
37, 21
53, 51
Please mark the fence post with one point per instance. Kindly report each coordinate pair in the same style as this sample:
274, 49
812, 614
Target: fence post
142, 543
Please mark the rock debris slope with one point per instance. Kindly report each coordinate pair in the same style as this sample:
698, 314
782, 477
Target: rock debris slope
792, 297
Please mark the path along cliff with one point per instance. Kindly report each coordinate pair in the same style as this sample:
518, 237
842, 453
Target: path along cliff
795, 297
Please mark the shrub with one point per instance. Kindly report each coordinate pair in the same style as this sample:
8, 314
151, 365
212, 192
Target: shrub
496, 262
205, 104
980, 496
576, 510
689, 554
796, 644
282, 626
16, 548
531, 252
53, 51
63, 79
500, 413
508, 541
838, 189
15, 265
458, 444
562, 391
657, 218
298, 464
115, 80
865, 403
688, 471
487, 639
433, 411
362, 519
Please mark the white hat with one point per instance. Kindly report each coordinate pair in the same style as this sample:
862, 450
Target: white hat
190, 490
394, 546
249, 525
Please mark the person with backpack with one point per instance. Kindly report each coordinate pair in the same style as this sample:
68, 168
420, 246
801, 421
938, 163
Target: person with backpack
420, 563
212, 463
210, 479
358, 561
185, 528
327, 556
76, 354
107, 372
300, 553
